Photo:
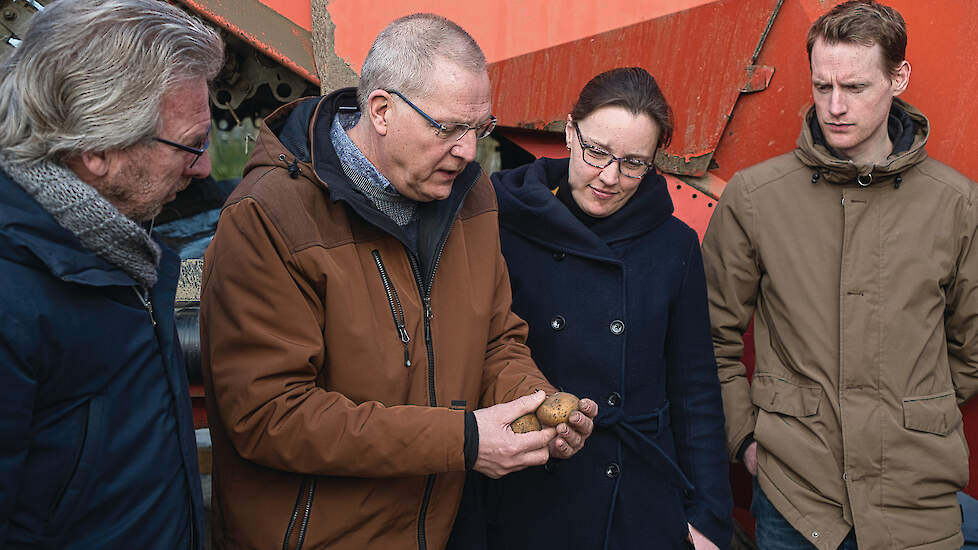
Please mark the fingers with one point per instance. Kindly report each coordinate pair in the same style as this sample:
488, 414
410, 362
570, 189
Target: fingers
524, 405
588, 407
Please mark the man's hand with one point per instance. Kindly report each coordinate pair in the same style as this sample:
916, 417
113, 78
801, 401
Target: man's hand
500, 450
750, 458
571, 435
699, 541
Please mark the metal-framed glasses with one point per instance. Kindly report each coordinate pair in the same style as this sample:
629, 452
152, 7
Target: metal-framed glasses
599, 158
451, 130
192, 150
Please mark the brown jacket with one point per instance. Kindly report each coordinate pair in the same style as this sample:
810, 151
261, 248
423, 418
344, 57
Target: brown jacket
336, 405
865, 307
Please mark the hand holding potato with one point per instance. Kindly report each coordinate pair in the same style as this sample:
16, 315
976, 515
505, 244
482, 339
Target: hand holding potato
500, 450
572, 433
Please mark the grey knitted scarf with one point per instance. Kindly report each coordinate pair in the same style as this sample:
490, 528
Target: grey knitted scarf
79, 208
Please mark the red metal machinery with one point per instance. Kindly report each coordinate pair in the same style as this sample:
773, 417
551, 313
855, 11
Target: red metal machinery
735, 72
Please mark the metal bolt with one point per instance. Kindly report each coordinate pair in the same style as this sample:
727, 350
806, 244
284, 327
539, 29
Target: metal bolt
9, 15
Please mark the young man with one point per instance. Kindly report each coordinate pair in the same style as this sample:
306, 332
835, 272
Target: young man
356, 313
104, 116
855, 256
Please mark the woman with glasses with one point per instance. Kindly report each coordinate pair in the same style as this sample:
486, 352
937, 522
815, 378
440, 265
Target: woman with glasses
613, 289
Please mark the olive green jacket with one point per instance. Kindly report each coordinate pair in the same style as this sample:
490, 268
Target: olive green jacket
865, 308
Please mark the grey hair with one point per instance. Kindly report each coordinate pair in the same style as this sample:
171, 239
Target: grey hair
404, 54
90, 76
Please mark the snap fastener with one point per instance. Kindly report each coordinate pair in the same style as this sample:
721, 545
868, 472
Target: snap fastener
558, 323
617, 327
614, 399
844, 476
559, 256
864, 180
814, 534
613, 470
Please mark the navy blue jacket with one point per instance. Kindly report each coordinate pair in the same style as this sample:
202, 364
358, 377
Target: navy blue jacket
97, 447
618, 313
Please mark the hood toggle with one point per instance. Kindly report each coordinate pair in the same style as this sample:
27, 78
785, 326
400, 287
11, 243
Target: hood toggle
293, 167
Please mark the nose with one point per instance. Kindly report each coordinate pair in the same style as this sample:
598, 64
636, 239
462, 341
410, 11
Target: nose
466, 147
201, 168
609, 174
837, 103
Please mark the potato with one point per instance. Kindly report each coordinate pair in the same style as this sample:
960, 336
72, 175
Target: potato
526, 423
557, 408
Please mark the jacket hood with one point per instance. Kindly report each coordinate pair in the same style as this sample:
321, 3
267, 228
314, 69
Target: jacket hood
527, 206
296, 137
33, 237
912, 129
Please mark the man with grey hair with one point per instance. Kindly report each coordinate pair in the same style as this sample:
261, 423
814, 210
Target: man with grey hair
104, 116
358, 346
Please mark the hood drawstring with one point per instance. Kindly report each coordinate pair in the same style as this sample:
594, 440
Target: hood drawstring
815, 176
293, 166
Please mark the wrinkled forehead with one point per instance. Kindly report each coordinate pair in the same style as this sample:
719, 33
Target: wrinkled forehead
855, 58
459, 92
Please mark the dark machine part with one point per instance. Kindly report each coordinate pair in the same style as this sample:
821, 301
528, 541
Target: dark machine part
251, 85
14, 18
188, 331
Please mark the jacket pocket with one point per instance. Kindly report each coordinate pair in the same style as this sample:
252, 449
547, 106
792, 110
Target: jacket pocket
84, 469
936, 414
778, 395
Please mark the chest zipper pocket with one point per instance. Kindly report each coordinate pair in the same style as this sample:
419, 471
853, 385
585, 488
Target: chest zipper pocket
397, 312
303, 503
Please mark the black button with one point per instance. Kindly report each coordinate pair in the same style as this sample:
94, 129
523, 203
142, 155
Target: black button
612, 470
559, 256
617, 327
558, 323
549, 466
614, 399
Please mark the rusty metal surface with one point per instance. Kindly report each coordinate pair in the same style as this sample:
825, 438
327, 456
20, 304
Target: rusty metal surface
264, 29
15, 15
717, 42
333, 71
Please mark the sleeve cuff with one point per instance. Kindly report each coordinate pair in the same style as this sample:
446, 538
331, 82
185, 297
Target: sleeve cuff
743, 446
471, 446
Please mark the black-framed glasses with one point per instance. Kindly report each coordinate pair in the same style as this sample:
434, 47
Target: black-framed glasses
451, 130
192, 150
599, 158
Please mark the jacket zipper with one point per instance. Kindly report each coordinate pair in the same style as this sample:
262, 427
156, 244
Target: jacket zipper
303, 496
397, 312
426, 300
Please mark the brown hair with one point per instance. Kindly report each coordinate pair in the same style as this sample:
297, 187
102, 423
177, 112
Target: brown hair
864, 22
631, 88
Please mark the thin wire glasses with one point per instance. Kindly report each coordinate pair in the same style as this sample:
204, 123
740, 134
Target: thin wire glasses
451, 130
192, 150
599, 158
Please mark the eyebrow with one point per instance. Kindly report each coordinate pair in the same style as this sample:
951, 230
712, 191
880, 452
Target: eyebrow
607, 150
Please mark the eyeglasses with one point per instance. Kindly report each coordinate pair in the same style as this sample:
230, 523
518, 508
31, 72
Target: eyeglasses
599, 158
452, 130
192, 150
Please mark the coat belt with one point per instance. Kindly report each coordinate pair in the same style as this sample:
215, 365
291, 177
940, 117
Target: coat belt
637, 432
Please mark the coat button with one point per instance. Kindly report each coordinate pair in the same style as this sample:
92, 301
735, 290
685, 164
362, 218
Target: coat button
612, 470
617, 327
559, 256
558, 323
814, 534
614, 399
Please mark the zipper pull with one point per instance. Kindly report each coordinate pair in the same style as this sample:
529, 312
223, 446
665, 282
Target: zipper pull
427, 309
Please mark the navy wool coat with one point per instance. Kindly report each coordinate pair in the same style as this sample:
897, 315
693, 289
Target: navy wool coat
97, 448
618, 313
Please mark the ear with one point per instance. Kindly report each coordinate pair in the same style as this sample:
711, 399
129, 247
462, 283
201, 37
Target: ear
379, 104
89, 166
567, 132
901, 79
